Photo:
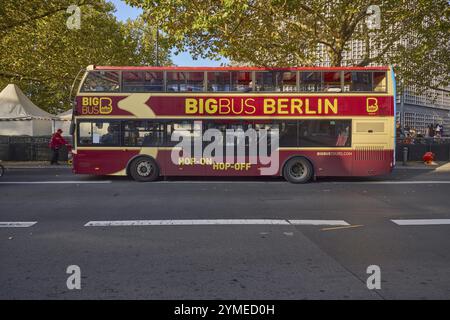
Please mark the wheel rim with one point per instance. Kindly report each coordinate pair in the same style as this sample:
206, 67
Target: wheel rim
298, 170
145, 168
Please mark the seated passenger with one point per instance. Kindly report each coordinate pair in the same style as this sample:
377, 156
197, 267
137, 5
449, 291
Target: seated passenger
342, 138
108, 138
149, 140
94, 86
111, 87
249, 88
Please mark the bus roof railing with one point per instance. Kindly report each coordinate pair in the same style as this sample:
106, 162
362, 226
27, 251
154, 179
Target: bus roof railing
180, 68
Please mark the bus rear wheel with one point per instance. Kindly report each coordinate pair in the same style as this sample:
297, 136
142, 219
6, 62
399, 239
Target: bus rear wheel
144, 169
298, 170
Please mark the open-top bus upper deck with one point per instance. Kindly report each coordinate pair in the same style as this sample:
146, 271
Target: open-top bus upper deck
235, 79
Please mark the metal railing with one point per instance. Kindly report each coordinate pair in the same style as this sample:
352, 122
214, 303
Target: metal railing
25, 148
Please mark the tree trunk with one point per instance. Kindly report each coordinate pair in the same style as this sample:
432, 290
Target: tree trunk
335, 57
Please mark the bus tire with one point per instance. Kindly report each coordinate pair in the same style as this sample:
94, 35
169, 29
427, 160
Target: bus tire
144, 169
298, 170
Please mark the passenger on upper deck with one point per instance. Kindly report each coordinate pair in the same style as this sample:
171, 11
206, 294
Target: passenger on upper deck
91, 85
249, 88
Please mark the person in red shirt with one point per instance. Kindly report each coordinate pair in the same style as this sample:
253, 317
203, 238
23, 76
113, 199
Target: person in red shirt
56, 142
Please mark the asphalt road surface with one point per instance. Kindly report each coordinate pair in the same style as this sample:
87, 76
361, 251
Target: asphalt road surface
195, 238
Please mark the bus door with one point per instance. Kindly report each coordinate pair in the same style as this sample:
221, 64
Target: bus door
98, 147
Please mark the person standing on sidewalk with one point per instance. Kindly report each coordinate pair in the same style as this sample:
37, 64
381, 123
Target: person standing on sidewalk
56, 142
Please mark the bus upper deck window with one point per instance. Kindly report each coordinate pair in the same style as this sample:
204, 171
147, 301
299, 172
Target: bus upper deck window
142, 81
332, 81
361, 81
276, 81
101, 81
347, 81
379, 81
195, 81
176, 81
310, 81
184, 81
241, 81
219, 81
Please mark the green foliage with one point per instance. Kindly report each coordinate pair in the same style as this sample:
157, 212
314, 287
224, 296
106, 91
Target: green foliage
143, 37
40, 54
289, 32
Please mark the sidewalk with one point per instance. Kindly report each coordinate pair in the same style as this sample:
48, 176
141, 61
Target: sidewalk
34, 165
419, 165
444, 168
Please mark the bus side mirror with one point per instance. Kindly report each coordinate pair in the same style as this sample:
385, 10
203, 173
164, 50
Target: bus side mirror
72, 128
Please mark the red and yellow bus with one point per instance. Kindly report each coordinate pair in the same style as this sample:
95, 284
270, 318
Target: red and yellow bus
328, 121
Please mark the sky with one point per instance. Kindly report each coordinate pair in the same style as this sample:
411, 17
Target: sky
124, 11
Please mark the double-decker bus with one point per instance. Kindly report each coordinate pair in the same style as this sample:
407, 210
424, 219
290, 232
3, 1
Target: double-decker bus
315, 122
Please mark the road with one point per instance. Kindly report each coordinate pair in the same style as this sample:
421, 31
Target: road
232, 238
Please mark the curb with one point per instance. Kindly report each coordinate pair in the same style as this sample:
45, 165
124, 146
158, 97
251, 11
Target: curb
414, 168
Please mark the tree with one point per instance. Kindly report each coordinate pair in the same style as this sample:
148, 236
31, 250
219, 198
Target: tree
15, 13
43, 56
151, 47
413, 34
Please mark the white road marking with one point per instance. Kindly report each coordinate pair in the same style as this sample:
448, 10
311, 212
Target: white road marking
421, 222
319, 222
186, 222
56, 182
16, 224
214, 222
343, 227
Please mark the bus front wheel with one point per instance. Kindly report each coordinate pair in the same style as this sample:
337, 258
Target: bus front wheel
298, 170
144, 169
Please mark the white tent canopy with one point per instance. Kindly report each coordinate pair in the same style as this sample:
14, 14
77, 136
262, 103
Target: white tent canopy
62, 121
20, 116
66, 115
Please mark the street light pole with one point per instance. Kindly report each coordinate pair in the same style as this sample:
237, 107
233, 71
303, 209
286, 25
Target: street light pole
157, 45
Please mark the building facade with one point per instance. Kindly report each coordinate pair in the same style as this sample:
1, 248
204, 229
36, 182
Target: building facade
414, 110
